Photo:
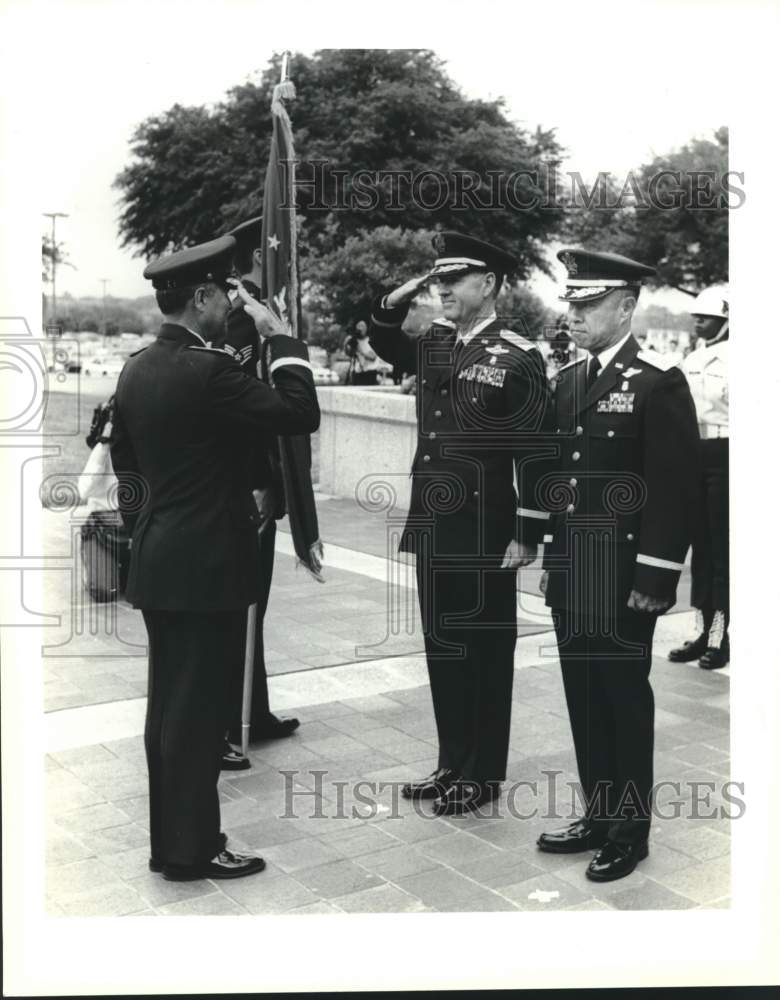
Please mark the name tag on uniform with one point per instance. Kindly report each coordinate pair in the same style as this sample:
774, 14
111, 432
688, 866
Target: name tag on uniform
617, 402
486, 374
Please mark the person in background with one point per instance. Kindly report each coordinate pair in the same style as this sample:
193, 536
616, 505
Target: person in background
265, 481
366, 370
706, 369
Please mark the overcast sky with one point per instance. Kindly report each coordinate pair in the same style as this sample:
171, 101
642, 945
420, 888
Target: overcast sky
615, 93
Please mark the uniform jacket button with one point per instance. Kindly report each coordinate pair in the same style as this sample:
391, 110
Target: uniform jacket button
570, 509
476, 493
437, 414
432, 435
444, 392
474, 399
578, 432
576, 456
630, 537
572, 482
426, 458
610, 434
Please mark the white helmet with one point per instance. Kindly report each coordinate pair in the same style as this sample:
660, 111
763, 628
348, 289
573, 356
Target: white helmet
713, 301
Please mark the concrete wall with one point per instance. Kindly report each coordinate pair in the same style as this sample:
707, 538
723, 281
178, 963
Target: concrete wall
367, 441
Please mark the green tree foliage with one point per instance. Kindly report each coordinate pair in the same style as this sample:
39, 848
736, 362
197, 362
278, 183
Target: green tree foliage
671, 213
524, 312
51, 254
198, 171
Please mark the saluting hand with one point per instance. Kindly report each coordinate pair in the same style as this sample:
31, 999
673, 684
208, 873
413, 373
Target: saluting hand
638, 601
518, 554
266, 322
406, 292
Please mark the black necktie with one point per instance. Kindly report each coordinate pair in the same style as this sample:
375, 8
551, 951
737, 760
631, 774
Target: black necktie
594, 367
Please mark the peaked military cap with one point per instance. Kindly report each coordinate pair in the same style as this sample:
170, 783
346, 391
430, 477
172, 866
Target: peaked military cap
212, 261
591, 275
459, 254
248, 233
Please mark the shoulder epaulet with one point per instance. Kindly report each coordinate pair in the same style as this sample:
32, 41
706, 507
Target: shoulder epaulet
514, 338
211, 350
571, 364
441, 321
139, 351
661, 361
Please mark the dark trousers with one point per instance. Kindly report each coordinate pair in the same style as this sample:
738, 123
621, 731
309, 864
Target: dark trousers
260, 707
710, 558
470, 664
190, 657
606, 678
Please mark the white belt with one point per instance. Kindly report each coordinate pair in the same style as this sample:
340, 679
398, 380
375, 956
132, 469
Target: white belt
707, 431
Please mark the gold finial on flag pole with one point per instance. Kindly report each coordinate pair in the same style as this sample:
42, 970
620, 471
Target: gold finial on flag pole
285, 66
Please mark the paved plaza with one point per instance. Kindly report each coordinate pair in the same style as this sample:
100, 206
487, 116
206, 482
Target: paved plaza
323, 807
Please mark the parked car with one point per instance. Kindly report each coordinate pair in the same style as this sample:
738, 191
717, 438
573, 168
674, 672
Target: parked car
324, 376
111, 366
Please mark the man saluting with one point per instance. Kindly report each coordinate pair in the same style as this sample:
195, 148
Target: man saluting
185, 417
482, 396
625, 491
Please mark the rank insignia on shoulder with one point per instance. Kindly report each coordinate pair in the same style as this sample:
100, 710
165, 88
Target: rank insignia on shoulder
212, 350
514, 338
661, 361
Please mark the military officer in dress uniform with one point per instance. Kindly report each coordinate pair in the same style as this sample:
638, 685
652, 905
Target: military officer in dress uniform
707, 371
482, 397
185, 416
265, 480
622, 493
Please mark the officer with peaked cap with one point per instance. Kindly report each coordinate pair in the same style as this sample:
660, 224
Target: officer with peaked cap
707, 371
481, 399
622, 494
265, 480
185, 415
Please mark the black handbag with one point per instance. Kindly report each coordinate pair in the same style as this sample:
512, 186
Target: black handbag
105, 555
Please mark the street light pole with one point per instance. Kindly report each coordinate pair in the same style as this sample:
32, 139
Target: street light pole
54, 216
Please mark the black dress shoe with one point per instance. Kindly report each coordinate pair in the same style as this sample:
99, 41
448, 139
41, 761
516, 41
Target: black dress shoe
268, 728
272, 728
579, 836
226, 864
464, 797
232, 759
714, 658
616, 860
431, 787
691, 650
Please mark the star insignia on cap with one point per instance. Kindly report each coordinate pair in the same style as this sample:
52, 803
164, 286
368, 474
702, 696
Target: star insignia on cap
569, 263
273, 242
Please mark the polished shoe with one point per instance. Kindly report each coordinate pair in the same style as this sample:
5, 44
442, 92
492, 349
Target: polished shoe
232, 759
691, 650
431, 787
273, 728
269, 728
579, 836
715, 657
464, 797
226, 864
615, 860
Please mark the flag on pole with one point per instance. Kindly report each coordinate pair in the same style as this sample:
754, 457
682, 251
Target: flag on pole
280, 289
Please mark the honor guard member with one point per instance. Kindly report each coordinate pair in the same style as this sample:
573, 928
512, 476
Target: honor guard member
707, 371
265, 481
185, 416
481, 399
622, 494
